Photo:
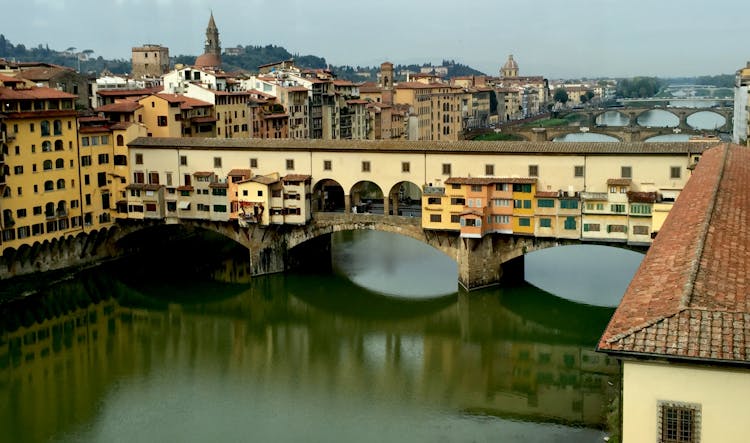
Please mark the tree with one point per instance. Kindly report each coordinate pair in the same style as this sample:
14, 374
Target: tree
561, 95
587, 96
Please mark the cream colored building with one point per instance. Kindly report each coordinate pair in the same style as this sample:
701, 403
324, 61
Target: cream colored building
149, 61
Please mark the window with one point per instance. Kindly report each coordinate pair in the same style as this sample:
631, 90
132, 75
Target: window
458, 201
433, 200
446, 169
86, 180
405, 167
139, 177
21, 213
253, 162
217, 162
220, 208
18, 170
260, 193
640, 230
161, 120
436, 218
455, 218
641, 208
289, 164
545, 203
678, 422
49, 185
455, 186
570, 223
527, 204
626, 172
675, 172
617, 228
103, 159
591, 227
577, 171
489, 169
326, 165
101, 179
545, 222
568, 204
183, 160
476, 188
94, 140
533, 171
501, 219
85, 160
84, 142
139, 159
524, 221
46, 146
57, 127
105, 139
617, 208
518, 187
153, 178
365, 166
60, 183
120, 140
612, 189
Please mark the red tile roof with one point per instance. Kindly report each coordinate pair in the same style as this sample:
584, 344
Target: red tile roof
641, 197
33, 93
690, 298
619, 181
546, 194
121, 106
295, 178
203, 173
8, 79
129, 92
240, 173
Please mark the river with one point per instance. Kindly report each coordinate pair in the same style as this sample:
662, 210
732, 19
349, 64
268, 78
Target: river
381, 348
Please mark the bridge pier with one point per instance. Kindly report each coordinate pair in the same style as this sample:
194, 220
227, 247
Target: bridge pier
489, 260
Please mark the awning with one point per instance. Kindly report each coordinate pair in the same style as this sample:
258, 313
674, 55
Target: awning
184, 205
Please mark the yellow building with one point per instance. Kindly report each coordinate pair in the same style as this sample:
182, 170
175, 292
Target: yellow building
40, 197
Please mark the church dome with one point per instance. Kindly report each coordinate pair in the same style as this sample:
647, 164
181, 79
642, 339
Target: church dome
510, 64
208, 61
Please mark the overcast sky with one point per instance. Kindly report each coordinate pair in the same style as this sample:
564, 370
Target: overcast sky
554, 38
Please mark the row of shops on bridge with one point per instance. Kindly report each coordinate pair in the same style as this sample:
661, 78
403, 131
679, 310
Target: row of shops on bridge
478, 206
472, 206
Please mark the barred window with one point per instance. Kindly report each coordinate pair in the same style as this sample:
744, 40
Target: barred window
678, 422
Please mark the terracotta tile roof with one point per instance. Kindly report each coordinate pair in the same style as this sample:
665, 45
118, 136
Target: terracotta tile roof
218, 185
546, 194
471, 212
619, 181
185, 188
357, 102
240, 173
690, 298
203, 173
121, 126
295, 178
143, 187
641, 197
205, 119
129, 92
264, 179
121, 106
8, 79
294, 88
463, 146
93, 129
487, 180
33, 93
43, 73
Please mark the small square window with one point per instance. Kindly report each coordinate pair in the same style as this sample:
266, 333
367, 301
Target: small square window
326, 165
365, 166
489, 169
626, 172
253, 162
405, 167
678, 422
217, 162
289, 164
446, 169
578, 171
533, 170
675, 172
183, 160
139, 159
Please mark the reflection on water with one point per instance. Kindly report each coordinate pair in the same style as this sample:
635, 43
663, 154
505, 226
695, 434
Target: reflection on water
116, 355
706, 120
613, 118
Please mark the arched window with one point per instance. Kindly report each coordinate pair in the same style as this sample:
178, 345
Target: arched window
59, 163
57, 127
120, 140
47, 165
7, 218
46, 146
60, 183
45, 127
49, 185
58, 145
49, 210
6, 192
61, 207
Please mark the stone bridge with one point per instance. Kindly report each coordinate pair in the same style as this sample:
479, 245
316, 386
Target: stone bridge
621, 133
277, 248
633, 114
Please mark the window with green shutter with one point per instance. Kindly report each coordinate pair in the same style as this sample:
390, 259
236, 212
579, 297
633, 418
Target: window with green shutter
545, 203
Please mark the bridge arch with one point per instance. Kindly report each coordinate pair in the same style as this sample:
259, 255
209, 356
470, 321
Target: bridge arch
366, 196
720, 122
328, 196
597, 117
404, 198
642, 117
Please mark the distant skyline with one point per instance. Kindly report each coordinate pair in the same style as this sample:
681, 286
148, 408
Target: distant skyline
578, 38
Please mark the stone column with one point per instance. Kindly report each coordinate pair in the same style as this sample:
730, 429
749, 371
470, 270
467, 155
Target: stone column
347, 203
478, 265
386, 204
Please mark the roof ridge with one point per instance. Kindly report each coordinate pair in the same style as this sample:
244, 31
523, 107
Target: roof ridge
687, 291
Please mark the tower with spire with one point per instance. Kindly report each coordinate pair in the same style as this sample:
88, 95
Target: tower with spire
211, 57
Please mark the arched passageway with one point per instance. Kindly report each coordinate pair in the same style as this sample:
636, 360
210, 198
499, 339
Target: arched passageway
366, 197
328, 196
405, 199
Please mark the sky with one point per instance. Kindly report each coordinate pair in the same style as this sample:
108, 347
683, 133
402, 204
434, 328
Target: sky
554, 38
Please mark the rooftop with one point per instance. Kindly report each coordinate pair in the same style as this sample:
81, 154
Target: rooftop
689, 298
464, 146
